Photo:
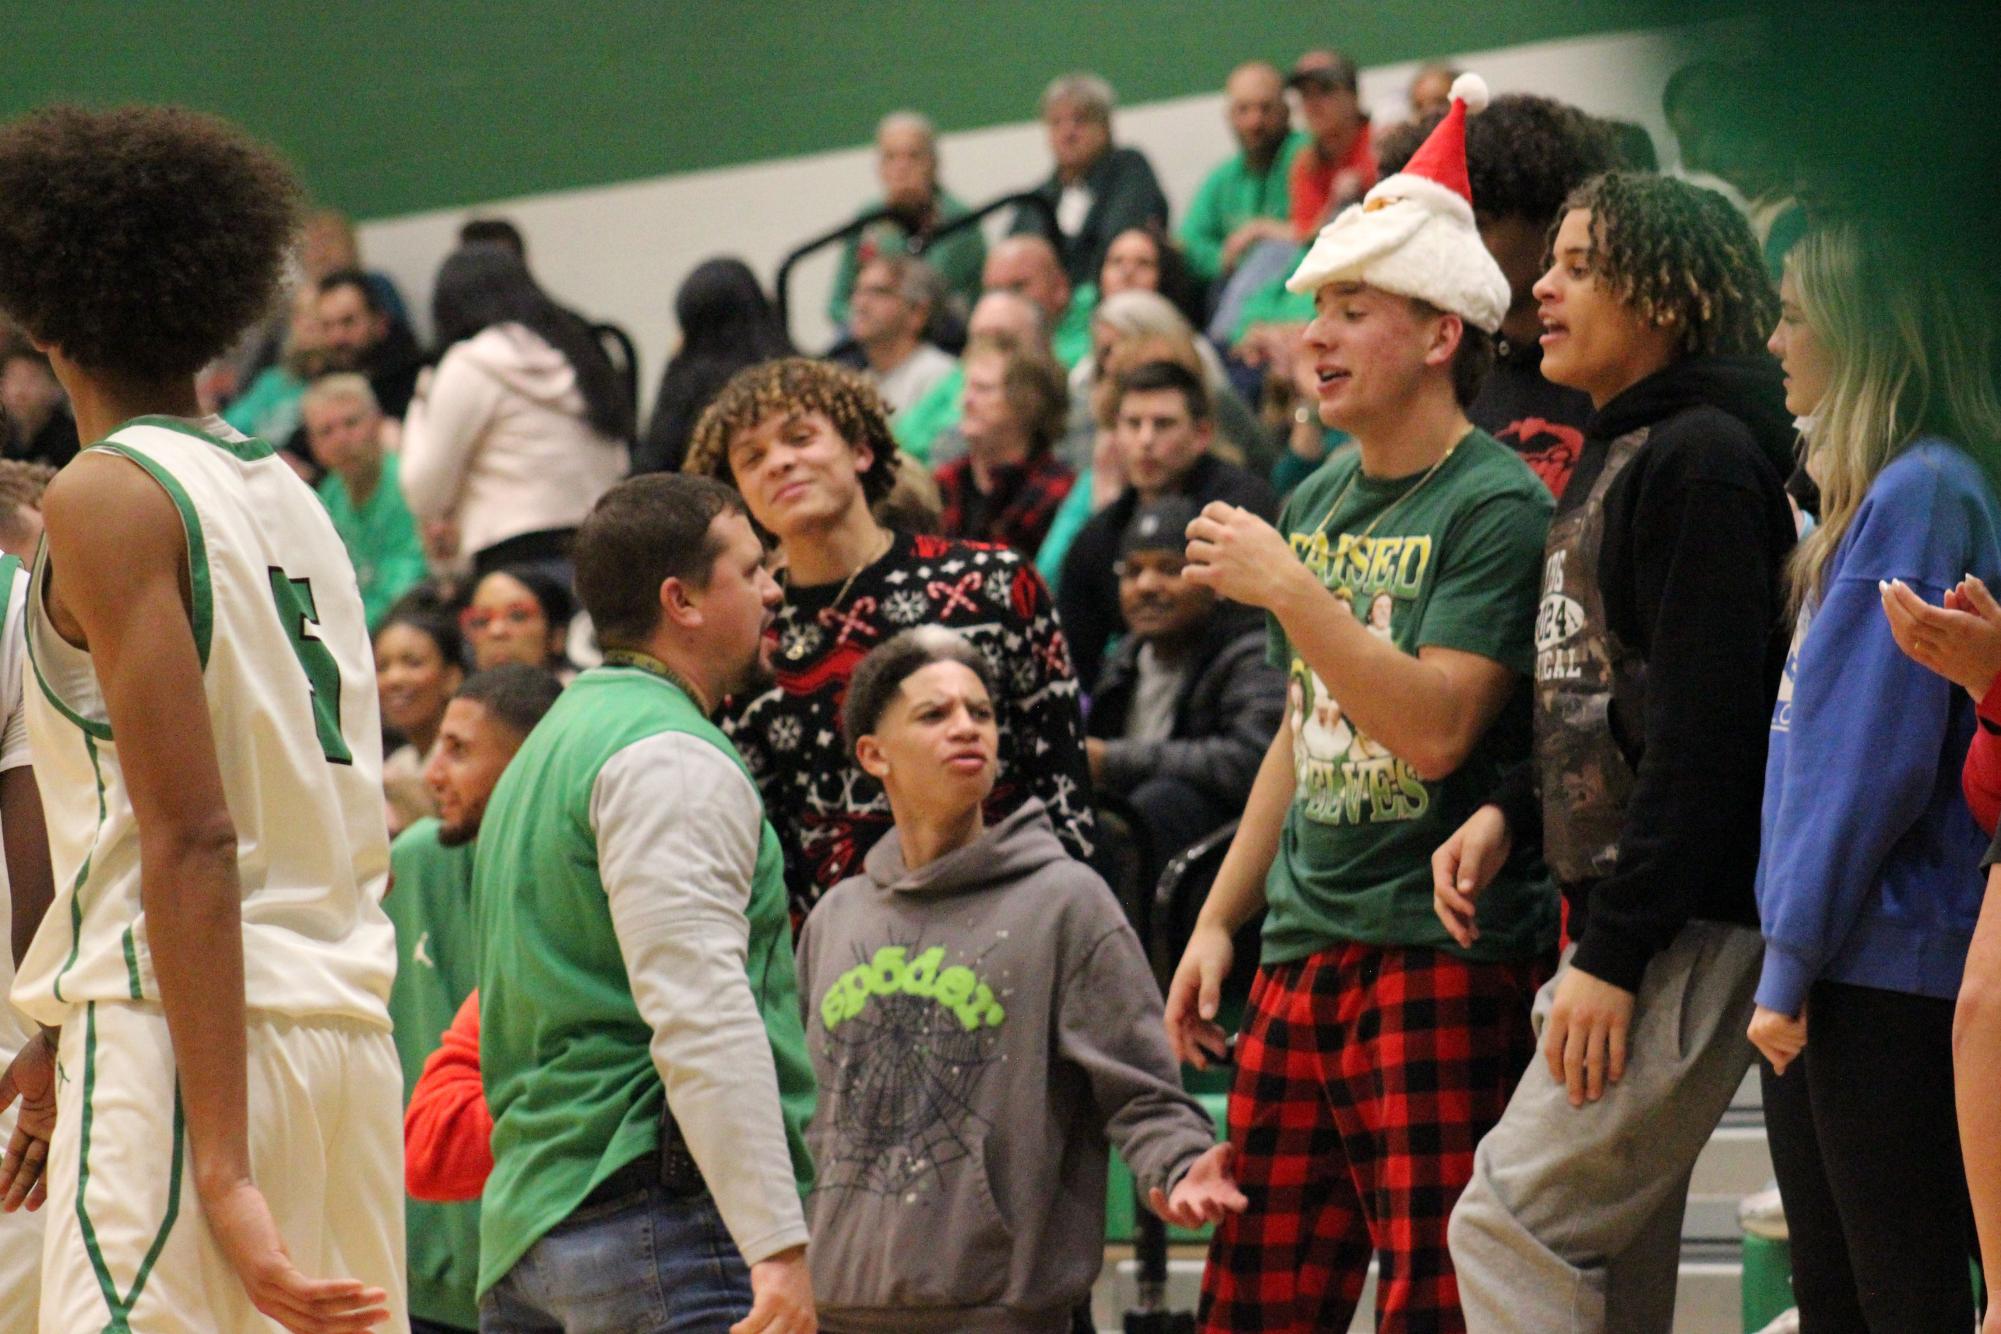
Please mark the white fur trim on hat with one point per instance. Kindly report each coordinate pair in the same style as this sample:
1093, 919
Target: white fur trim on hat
1348, 244
1406, 248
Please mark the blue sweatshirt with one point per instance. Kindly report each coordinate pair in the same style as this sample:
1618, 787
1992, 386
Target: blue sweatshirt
1870, 871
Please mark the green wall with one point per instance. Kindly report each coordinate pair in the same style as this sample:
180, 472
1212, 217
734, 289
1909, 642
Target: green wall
393, 108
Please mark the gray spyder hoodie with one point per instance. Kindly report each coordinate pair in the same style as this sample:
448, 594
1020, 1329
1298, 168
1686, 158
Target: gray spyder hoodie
978, 1028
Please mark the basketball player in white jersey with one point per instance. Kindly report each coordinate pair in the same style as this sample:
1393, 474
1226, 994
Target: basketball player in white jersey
26, 888
225, 1153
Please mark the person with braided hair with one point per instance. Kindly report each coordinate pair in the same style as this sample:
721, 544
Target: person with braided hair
1658, 648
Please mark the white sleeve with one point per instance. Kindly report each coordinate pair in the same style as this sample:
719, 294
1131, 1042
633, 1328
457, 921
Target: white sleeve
677, 828
13, 676
441, 428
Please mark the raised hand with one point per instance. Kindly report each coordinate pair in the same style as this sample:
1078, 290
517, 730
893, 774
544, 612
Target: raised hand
1241, 556
1961, 640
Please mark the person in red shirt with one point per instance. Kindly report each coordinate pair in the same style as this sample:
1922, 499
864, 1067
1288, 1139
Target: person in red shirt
447, 1130
1339, 166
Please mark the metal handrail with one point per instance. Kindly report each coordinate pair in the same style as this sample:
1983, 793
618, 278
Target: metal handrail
782, 285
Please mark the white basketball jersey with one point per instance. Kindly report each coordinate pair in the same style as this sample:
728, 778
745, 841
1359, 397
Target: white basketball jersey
15, 1029
290, 681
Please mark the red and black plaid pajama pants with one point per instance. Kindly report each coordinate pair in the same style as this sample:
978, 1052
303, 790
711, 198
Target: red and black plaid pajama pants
1365, 1077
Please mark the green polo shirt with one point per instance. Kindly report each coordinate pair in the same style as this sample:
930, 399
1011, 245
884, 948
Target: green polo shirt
1232, 195
381, 538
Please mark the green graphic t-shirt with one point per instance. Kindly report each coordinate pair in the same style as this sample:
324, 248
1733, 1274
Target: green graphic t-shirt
1453, 561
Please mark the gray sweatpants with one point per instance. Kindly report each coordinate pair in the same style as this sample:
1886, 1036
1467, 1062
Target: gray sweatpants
1572, 1221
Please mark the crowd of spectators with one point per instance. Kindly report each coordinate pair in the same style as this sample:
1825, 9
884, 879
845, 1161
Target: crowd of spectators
1160, 482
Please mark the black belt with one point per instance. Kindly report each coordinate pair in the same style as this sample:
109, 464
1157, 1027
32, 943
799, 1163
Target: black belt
673, 1169
632, 1179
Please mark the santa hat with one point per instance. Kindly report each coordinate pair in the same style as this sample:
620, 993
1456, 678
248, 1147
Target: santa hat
1413, 234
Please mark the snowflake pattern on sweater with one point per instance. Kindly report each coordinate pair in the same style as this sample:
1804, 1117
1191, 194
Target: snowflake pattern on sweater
827, 813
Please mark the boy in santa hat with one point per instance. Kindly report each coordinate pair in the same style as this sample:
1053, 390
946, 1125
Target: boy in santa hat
1377, 1049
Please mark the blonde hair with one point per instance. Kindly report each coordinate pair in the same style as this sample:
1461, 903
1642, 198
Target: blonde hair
346, 387
1912, 349
1129, 353
1141, 312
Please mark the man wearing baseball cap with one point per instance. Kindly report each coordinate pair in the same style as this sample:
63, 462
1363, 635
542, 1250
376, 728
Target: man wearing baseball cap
1340, 164
1400, 590
1185, 707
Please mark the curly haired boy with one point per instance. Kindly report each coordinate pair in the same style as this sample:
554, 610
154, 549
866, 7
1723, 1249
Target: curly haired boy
1659, 643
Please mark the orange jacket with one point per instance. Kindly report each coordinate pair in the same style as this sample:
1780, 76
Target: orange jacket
447, 1131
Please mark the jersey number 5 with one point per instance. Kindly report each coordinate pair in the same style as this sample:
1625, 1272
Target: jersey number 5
297, 610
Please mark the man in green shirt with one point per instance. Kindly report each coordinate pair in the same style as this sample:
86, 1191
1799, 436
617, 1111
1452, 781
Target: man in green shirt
344, 429
1244, 201
906, 163
1400, 586
640, 1033
437, 956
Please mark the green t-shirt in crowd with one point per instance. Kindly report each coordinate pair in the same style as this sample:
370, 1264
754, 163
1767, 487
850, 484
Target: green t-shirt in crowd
957, 259
437, 967
269, 408
1453, 561
565, 1054
381, 538
1231, 196
935, 412
1070, 340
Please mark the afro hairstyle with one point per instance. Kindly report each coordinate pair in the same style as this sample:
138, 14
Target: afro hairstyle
1524, 155
139, 240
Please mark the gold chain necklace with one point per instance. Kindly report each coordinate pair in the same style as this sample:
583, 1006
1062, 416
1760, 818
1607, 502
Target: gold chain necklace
799, 649
1394, 505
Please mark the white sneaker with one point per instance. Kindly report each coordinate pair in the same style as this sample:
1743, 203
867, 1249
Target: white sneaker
1787, 1323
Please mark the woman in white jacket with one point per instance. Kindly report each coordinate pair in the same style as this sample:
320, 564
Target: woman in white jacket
521, 427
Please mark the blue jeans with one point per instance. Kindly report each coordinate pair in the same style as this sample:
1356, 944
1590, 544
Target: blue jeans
646, 1263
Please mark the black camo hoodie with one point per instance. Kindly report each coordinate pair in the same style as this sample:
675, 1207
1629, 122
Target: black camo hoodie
1697, 531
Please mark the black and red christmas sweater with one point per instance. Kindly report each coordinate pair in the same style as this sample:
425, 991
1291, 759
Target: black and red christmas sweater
827, 812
